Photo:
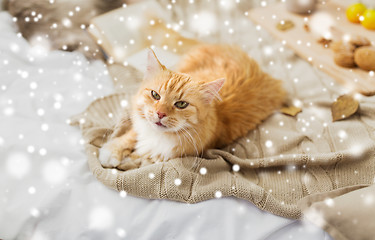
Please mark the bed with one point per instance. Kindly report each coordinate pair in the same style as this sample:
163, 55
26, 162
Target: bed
46, 188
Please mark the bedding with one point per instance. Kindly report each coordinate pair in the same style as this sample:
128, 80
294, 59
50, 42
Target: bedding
282, 161
274, 166
279, 163
46, 188
355, 204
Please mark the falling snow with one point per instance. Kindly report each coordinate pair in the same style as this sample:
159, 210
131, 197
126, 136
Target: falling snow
34, 212
101, 218
32, 190
18, 164
177, 182
236, 168
123, 193
218, 194
203, 171
121, 233
268, 143
42, 89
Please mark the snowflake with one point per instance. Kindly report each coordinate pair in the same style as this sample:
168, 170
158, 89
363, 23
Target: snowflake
203, 171
66, 22
356, 150
100, 218
368, 199
33, 85
236, 167
34, 212
267, 50
14, 47
44, 127
18, 164
218, 194
123, 193
121, 233
124, 103
42, 152
226, 4
177, 182
268, 143
57, 105
329, 202
342, 134
151, 175
53, 172
31, 190
204, 22
8, 111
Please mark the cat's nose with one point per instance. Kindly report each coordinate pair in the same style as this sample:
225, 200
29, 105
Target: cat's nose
161, 115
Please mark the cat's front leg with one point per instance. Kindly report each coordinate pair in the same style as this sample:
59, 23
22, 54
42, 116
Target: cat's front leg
112, 152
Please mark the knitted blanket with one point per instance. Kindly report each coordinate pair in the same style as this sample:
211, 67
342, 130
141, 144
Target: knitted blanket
282, 161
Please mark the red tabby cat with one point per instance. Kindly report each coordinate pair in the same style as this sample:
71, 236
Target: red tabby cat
217, 95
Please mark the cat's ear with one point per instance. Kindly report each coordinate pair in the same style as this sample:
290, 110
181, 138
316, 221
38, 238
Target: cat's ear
154, 67
211, 90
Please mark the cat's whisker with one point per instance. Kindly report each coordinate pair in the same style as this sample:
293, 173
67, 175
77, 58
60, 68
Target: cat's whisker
200, 140
104, 135
123, 122
183, 149
198, 155
196, 110
192, 143
192, 140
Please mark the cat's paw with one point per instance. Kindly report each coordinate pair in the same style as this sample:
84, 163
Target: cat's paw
109, 155
134, 161
129, 164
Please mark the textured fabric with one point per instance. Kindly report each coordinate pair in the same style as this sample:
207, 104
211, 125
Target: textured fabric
282, 161
345, 214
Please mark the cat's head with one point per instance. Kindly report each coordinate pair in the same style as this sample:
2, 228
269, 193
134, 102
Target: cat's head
171, 101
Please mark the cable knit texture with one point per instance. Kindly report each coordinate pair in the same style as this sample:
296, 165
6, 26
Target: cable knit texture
282, 161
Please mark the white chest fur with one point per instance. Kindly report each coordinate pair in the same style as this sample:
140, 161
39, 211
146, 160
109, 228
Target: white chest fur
151, 141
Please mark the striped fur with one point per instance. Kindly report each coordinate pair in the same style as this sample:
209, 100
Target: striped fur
218, 112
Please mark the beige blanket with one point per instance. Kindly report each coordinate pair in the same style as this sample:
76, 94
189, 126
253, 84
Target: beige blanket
275, 166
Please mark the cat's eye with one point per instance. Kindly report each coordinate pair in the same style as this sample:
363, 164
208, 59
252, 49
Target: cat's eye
155, 95
181, 104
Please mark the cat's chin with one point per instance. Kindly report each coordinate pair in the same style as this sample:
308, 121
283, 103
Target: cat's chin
161, 126
158, 126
